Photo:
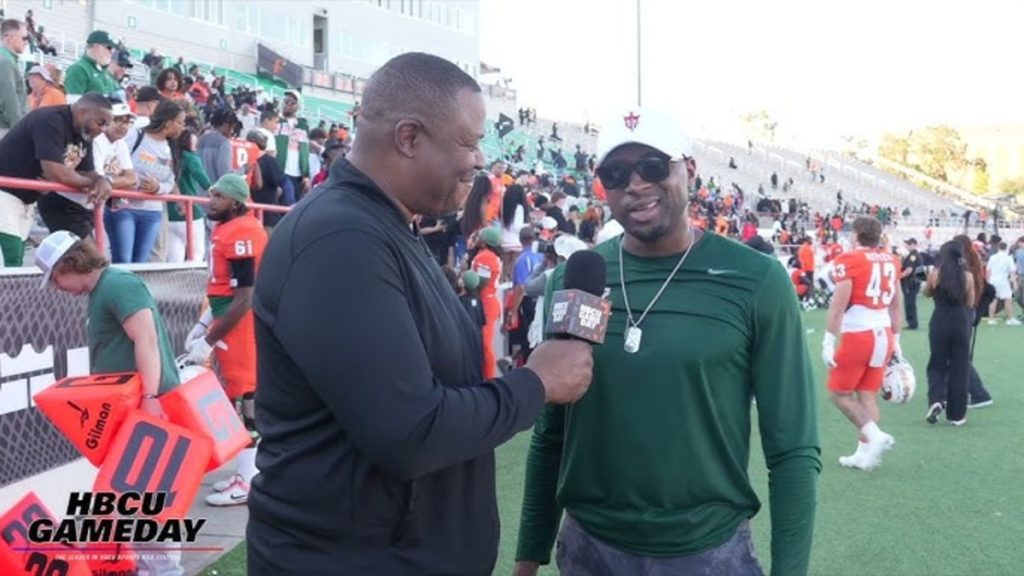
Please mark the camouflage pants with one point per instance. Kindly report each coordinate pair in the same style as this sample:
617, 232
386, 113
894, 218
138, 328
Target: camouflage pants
580, 554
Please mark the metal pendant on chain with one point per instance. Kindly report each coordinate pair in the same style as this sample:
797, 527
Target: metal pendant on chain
634, 335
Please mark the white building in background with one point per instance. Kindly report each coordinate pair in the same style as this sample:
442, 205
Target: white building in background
353, 37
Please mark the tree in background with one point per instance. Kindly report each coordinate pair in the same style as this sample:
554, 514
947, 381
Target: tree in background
856, 147
895, 148
936, 151
980, 182
760, 125
1014, 186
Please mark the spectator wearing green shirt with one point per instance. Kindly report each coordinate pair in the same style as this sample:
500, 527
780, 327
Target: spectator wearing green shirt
89, 74
650, 466
124, 331
192, 181
293, 148
13, 95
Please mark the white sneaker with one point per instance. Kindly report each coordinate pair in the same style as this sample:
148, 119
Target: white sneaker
237, 493
872, 456
1013, 322
224, 484
993, 322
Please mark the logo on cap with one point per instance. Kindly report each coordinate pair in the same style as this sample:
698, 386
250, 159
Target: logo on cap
631, 121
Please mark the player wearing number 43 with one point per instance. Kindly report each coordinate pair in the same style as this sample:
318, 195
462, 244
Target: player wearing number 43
226, 328
866, 311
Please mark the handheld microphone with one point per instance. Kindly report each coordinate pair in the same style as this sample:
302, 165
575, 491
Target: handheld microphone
579, 310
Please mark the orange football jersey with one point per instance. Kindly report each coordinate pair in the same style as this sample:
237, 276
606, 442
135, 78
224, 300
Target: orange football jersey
244, 156
488, 266
874, 274
241, 237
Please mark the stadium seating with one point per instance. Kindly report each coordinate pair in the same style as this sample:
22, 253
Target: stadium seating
859, 182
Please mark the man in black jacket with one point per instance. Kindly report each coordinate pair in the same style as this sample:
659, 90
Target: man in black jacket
378, 430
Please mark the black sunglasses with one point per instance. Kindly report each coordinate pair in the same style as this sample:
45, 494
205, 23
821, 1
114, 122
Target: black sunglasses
652, 168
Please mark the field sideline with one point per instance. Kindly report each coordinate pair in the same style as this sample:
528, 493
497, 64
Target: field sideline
946, 502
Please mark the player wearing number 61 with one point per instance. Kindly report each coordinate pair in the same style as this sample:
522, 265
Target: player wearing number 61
866, 310
226, 328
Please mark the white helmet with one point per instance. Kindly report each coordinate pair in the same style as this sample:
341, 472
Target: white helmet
899, 383
187, 371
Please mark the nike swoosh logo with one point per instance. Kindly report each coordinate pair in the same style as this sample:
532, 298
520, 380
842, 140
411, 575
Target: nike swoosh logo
719, 272
237, 498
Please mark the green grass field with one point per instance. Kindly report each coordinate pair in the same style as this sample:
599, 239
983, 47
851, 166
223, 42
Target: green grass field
946, 502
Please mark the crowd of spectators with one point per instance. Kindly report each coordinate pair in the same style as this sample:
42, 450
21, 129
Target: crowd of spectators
173, 136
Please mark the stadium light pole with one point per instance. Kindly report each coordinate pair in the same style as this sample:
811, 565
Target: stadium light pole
639, 88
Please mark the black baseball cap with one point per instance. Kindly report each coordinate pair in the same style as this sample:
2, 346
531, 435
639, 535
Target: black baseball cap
332, 144
100, 37
910, 240
123, 59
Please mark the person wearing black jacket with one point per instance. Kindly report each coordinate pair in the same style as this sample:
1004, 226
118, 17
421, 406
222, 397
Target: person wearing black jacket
378, 430
273, 182
910, 281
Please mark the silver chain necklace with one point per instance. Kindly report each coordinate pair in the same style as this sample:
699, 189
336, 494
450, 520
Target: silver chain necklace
633, 332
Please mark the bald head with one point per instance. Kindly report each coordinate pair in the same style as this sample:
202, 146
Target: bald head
414, 85
419, 131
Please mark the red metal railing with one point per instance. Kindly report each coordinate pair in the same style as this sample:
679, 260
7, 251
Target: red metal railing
100, 233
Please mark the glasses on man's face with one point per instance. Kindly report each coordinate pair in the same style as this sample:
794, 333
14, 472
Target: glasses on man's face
124, 120
652, 168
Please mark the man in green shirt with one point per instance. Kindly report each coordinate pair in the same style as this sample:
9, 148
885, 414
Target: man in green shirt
292, 145
124, 329
650, 466
13, 97
125, 333
89, 74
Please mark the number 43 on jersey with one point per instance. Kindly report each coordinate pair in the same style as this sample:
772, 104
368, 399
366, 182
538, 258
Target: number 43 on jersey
882, 283
874, 283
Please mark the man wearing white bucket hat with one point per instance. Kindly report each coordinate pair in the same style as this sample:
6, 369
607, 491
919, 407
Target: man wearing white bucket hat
650, 467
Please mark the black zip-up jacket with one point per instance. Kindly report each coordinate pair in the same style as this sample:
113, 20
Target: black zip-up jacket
378, 431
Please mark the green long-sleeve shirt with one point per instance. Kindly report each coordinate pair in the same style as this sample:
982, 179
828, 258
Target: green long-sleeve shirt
192, 182
13, 94
653, 459
86, 77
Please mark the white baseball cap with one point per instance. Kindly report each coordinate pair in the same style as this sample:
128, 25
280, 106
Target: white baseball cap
51, 250
650, 126
566, 246
121, 109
